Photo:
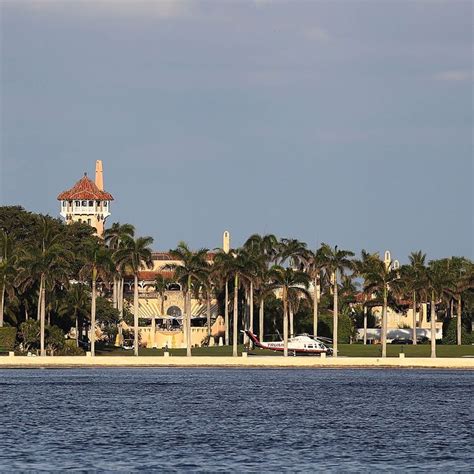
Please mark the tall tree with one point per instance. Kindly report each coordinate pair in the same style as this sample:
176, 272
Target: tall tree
291, 283
46, 260
135, 255
314, 264
265, 250
98, 265
439, 281
382, 280
337, 261
8, 269
363, 266
192, 270
114, 238
414, 281
238, 265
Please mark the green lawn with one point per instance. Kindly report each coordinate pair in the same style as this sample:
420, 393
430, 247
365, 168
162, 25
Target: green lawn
348, 350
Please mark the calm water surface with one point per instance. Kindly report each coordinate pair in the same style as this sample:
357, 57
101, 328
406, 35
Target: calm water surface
231, 419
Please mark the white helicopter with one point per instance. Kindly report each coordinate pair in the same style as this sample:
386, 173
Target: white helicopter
303, 344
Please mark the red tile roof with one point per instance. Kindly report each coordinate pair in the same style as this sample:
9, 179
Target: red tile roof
85, 189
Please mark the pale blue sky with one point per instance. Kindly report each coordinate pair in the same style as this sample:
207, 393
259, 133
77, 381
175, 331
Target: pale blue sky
348, 122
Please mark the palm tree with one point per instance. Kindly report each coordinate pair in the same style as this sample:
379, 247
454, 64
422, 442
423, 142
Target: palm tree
221, 274
192, 270
291, 282
265, 250
439, 281
114, 237
98, 265
414, 279
47, 263
292, 251
362, 267
381, 279
337, 261
264, 287
74, 305
8, 269
462, 279
135, 255
238, 265
314, 264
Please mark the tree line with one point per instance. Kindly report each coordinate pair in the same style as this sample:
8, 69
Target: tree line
53, 273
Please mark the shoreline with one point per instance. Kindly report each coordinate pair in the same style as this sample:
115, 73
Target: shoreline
18, 362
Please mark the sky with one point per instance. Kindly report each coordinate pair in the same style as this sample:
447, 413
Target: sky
346, 122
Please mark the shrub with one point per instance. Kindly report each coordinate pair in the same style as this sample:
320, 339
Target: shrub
345, 327
29, 335
71, 350
449, 333
7, 338
54, 338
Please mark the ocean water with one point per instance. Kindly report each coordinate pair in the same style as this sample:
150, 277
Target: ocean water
236, 420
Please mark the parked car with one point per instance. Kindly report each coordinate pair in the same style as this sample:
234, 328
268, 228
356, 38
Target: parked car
401, 341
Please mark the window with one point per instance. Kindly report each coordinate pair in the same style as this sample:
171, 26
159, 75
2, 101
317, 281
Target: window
89, 221
80, 221
105, 203
77, 203
84, 203
91, 203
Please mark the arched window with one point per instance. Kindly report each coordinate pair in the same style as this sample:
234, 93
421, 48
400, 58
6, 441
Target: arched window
174, 311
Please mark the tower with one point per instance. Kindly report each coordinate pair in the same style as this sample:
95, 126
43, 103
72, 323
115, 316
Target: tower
226, 241
87, 201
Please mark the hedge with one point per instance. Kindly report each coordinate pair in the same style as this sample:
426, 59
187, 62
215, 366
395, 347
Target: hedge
450, 333
7, 339
345, 327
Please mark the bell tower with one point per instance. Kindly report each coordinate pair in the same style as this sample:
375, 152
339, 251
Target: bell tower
87, 201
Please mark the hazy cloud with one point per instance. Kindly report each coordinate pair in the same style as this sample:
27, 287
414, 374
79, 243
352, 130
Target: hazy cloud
316, 34
156, 8
454, 76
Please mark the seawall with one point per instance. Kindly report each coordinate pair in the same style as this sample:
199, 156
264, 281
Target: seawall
241, 362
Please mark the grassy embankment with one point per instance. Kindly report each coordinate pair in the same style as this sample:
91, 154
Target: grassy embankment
346, 350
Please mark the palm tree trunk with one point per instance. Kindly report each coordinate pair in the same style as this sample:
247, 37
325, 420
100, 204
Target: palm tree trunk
153, 331
365, 325
226, 312
251, 311
120, 297
384, 322
185, 318
315, 307
2, 303
433, 326
135, 315
290, 310
285, 323
188, 339
261, 317
42, 315
235, 316
38, 311
459, 322
335, 317
114, 294
245, 317
208, 309
77, 330
414, 318
93, 311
